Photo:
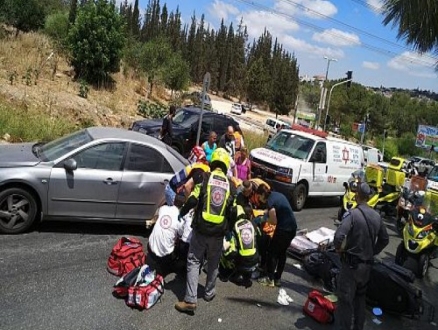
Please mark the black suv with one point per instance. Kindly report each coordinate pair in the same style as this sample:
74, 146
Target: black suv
185, 127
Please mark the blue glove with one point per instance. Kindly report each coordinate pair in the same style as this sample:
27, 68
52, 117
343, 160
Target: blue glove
260, 219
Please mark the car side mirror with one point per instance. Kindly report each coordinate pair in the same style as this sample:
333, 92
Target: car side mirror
70, 165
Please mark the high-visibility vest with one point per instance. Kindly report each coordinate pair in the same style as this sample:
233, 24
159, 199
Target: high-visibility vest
245, 236
215, 197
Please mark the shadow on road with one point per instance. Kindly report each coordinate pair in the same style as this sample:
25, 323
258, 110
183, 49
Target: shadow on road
321, 202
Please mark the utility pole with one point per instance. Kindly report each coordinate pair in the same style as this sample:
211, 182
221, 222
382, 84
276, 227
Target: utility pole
205, 87
324, 90
365, 123
385, 134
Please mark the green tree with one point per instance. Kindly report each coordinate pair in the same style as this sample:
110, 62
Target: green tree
96, 41
416, 21
176, 74
155, 55
24, 15
56, 27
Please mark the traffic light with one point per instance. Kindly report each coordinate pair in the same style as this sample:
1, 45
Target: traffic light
349, 78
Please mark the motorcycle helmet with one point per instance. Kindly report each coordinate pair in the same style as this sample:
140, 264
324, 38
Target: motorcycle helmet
353, 185
220, 158
197, 155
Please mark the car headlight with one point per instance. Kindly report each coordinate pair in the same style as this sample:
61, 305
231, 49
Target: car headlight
423, 234
284, 174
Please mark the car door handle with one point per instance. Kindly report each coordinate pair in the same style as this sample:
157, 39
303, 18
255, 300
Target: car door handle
110, 181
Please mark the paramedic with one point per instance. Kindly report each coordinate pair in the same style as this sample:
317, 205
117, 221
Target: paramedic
279, 212
213, 200
162, 252
361, 235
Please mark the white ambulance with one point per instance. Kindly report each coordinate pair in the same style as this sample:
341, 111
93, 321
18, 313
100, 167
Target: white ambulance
301, 162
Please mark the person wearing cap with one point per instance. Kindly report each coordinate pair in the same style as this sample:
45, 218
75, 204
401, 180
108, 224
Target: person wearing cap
213, 201
360, 236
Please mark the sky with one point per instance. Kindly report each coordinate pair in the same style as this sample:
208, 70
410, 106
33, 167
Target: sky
349, 33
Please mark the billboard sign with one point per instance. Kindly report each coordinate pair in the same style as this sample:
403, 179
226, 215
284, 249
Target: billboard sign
427, 137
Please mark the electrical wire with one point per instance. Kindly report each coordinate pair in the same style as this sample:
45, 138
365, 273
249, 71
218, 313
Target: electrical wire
376, 49
368, 5
354, 28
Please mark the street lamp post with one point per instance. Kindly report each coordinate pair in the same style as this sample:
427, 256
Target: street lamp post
328, 65
323, 89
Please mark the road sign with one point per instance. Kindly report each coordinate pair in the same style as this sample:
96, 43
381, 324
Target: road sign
427, 137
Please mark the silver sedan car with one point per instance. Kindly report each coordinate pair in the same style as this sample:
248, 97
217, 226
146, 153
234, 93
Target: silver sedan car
96, 174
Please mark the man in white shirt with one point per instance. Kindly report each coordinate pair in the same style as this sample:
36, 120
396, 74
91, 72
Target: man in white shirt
162, 254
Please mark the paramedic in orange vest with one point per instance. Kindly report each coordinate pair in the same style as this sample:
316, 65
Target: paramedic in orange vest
213, 200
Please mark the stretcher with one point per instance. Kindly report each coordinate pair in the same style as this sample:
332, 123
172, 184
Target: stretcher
306, 242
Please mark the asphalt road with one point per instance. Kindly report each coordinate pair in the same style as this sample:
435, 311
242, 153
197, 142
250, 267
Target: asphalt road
56, 278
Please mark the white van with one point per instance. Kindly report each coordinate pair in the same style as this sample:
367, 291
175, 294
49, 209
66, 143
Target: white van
271, 125
301, 164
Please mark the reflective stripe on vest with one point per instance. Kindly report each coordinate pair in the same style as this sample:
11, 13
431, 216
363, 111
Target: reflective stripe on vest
215, 200
246, 237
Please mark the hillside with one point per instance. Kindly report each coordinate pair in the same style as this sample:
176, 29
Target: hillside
28, 81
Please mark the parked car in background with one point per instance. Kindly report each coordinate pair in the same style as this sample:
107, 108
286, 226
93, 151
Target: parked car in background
423, 165
365, 153
197, 100
185, 127
98, 174
237, 108
271, 125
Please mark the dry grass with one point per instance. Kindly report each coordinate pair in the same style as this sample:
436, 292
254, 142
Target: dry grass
254, 139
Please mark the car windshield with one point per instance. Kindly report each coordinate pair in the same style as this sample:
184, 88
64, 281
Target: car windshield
57, 148
433, 175
415, 159
290, 144
185, 118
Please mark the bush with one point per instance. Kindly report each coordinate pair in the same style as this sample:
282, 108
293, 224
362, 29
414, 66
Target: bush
56, 27
148, 109
96, 41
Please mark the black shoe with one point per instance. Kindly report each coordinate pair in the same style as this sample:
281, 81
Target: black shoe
209, 298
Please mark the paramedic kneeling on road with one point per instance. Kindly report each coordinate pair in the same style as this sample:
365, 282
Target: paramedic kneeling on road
162, 255
280, 214
361, 235
213, 200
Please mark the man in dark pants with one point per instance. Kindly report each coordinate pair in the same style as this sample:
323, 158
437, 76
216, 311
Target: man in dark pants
280, 214
213, 200
167, 128
361, 235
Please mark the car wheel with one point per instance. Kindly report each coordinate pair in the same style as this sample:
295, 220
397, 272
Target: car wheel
299, 196
18, 210
400, 254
